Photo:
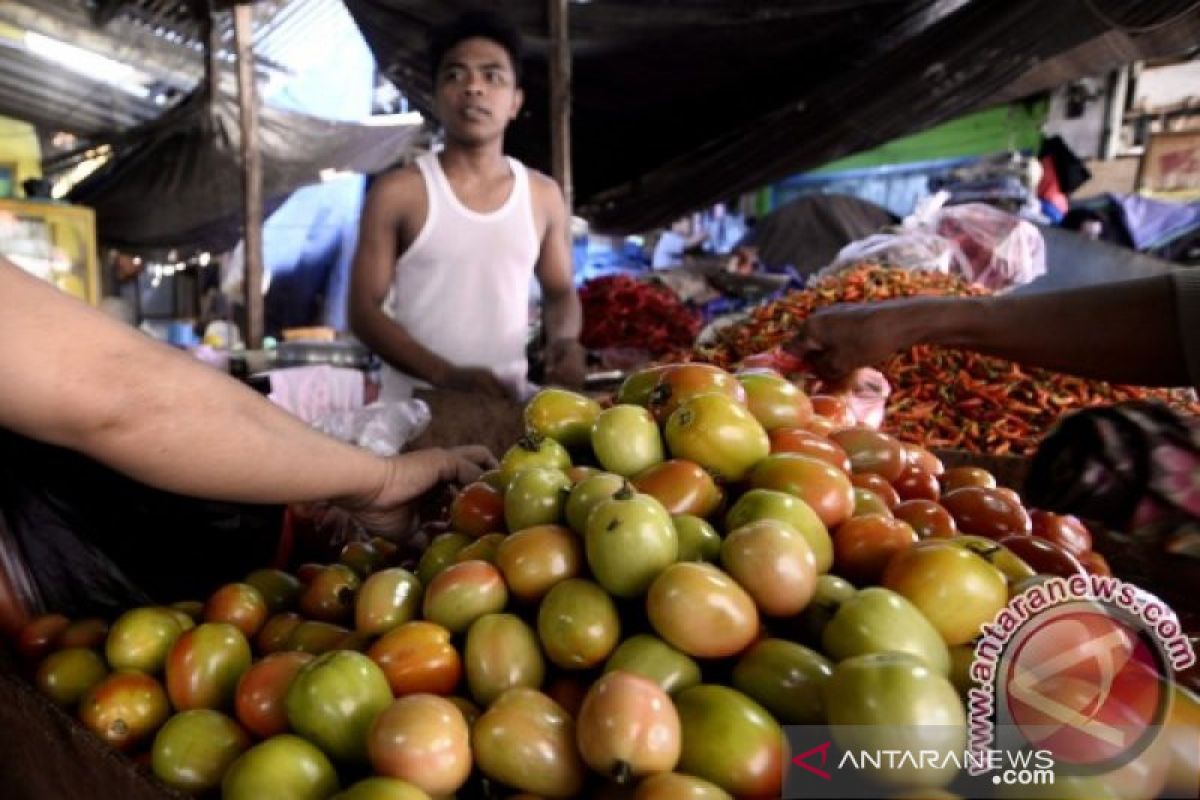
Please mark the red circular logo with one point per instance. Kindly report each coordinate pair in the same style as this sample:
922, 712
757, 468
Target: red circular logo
1085, 684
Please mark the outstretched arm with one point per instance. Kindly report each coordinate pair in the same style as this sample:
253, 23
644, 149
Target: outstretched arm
1127, 332
75, 378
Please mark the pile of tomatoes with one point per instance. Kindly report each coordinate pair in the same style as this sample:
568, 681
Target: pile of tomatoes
632, 604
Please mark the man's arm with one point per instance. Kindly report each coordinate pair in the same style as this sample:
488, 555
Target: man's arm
391, 202
1127, 332
73, 377
562, 313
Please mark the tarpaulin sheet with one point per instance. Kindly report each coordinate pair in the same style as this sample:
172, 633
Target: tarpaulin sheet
677, 104
177, 182
808, 232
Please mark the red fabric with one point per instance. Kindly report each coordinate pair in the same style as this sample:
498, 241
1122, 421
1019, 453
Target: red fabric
1048, 188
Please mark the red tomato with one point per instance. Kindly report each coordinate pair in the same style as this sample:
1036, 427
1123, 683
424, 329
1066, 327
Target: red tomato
958, 477
821, 427
872, 451
38, 637
920, 457
876, 483
986, 512
927, 518
1044, 556
418, 657
306, 572
1095, 563
1062, 529
915, 483
683, 487
276, 632
833, 408
477, 509
89, 633
239, 604
805, 442
863, 546
125, 708
825, 488
260, 693
204, 666
330, 595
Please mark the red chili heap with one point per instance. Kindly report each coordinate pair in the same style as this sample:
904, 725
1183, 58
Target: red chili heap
620, 311
941, 397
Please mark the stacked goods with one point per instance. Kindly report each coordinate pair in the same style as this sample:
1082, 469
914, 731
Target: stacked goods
635, 601
941, 397
620, 311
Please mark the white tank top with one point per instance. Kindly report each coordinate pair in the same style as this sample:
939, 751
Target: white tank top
462, 287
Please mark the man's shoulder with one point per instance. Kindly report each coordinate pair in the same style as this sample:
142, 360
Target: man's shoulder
399, 191
399, 179
544, 188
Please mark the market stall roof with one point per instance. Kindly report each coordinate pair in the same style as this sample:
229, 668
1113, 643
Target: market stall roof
680, 103
95, 67
176, 182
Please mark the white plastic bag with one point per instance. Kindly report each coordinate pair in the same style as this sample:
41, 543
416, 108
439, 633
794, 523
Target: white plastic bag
383, 428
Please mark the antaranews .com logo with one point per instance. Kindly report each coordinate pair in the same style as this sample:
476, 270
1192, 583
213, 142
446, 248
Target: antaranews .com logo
1081, 667
1073, 683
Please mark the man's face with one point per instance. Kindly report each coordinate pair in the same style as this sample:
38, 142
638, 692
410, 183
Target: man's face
476, 93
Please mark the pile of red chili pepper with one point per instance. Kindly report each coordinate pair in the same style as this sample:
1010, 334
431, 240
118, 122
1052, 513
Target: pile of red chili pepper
941, 397
622, 311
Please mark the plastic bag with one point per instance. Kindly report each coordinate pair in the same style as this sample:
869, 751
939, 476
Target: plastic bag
383, 427
992, 248
907, 249
978, 242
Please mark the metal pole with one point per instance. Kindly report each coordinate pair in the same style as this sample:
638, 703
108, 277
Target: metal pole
560, 97
243, 29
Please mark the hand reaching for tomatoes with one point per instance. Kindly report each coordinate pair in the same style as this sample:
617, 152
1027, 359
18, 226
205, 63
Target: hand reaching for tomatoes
390, 509
566, 363
838, 339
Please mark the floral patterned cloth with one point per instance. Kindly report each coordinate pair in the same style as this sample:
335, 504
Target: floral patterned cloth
1134, 468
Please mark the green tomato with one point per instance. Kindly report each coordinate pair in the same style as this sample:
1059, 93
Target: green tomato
758, 504
698, 540
536, 496
283, 767
533, 450
587, 494
877, 620
630, 539
652, 658
561, 415
894, 701
730, 740
787, 678
626, 440
334, 699
195, 749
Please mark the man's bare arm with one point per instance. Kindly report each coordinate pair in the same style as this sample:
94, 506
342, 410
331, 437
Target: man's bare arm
562, 313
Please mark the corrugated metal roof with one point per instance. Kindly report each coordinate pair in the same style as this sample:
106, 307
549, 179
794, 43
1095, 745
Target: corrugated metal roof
161, 39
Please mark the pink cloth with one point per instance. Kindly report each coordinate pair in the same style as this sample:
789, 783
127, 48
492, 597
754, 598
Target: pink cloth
312, 393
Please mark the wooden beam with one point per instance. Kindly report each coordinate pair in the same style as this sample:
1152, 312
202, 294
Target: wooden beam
243, 29
560, 97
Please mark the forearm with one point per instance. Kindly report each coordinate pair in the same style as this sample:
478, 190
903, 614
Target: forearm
192, 430
562, 315
394, 345
1125, 332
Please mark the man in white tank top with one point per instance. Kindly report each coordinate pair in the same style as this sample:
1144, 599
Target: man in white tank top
448, 246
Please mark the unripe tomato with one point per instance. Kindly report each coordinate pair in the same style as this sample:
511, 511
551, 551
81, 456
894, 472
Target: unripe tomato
124, 709
238, 604
423, 739
195, 749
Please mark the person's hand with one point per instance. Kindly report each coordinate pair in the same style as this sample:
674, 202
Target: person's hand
566, 363
837, 340
476, 380
390, 510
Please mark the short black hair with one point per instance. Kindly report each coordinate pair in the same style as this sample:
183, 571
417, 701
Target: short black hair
475, 24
